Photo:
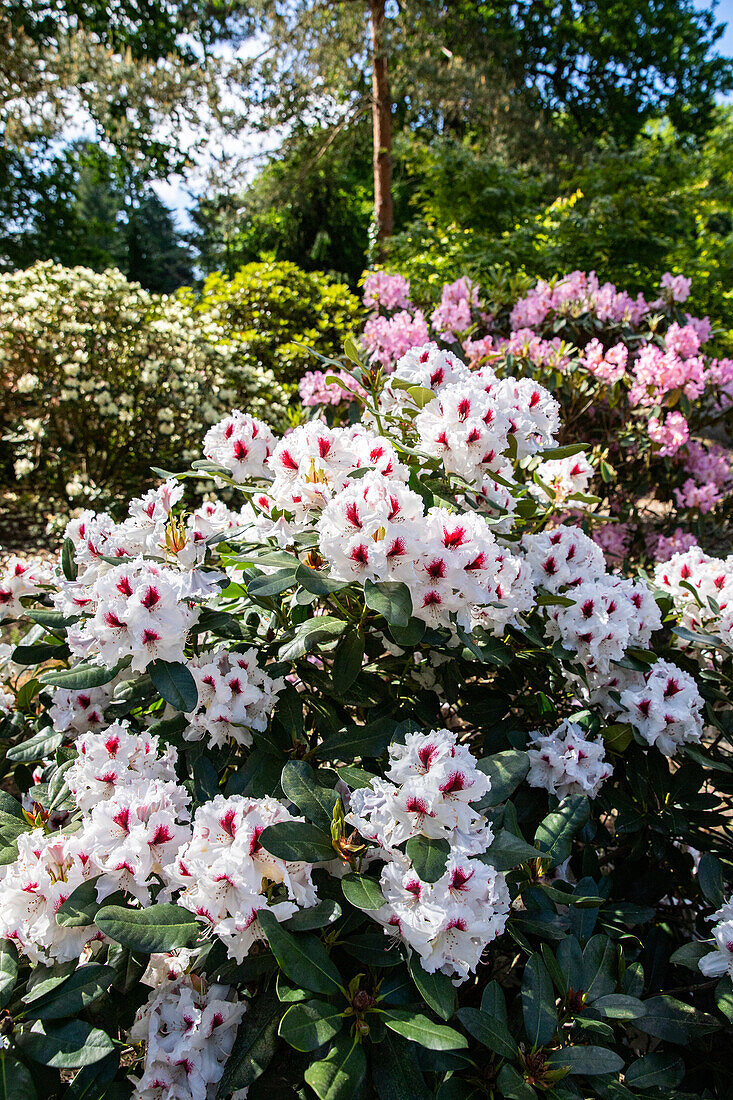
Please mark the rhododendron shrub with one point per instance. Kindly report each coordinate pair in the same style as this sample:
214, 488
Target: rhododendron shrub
100, 378
373, 781
637, 381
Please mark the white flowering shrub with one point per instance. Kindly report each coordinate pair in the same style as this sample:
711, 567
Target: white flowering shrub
101, 378
373, 783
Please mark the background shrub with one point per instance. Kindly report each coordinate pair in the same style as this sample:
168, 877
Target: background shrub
102, 378
274, 311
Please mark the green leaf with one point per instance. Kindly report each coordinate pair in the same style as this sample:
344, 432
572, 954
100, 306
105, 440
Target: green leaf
362, 892
428, 856
354, 777
618, 1006
157, 929
302, 958
317, 916
91, 1081
590, 1061
554, 836
373, 949
492, 1033
313, 580
661, 1070
689, 955
396, 1071
493, 1002
16, 1082
68, 566
348, 661
599, 967
81, 906
512, 1084
391, 599
297, 841
566, 451
300, 785
85, 986
38, 653
340, 1075
175, 683
508, 851
255, 1045
710, 877
43, 744
8, 971
506, 770
673, 1020
357, 741
272, 584
419, 1028
436, 989
81, 676
307, 1026
65, 1046
310, 634
44, 978
538, 1003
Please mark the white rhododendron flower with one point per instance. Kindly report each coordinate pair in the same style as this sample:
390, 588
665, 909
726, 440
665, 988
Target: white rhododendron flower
567, 762
666, 709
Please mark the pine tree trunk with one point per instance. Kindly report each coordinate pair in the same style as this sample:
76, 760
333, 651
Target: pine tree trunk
381, 126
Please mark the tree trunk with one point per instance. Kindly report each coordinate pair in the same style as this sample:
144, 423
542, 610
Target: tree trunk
381, 127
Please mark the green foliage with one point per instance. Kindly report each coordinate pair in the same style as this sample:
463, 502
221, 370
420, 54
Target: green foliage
274, 312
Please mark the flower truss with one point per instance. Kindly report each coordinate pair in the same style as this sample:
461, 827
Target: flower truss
373, 780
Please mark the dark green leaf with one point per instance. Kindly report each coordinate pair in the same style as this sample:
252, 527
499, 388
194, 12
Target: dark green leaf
428, 856
310, 634
340, 1075
68, 565
599, 967
419, 1028
506, 770
710, 877
264, 586
81, 906
362, 892
157, 929
660, 1070
303, 958
673, 1020
437, 989
175, 683
492, 1033
391, 599
85, 986
618, 1006
396, 1071
16, 1082
313, 580
255, 1045
297, 841
538, 1003
348, 661
309, 1025
508, 851
588, 1061
317, 916
314, 801
8, 970
65, 1046
81, 676
36, 748
554, 836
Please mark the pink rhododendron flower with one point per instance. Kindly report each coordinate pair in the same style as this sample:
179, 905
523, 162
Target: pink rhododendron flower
390, 291
608, 366
314, 390
453, 315
677, 285
671, 434
613, 539
667, 547
388, 338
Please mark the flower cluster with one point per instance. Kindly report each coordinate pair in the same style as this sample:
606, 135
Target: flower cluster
189, 1031
86, 356
719, 962
567, 762
226, 876
235, 697
666, 709
430, 784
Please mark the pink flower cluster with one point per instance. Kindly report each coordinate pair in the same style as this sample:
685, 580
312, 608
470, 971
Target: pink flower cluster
387, 339
315, 390
710, 477
607, 365
671, 433
390, 291
577, 293
454, 313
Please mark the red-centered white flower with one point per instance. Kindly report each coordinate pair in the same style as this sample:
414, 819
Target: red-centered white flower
466, 428
241, 444
567, 762
235, 697
666, 710
19, 578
